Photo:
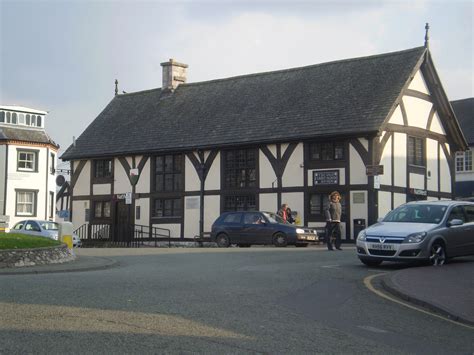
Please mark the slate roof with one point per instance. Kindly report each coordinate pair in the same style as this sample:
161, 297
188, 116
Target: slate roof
350, 96
25, 135
464, 110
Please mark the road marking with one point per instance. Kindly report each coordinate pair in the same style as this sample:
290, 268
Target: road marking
372, 329
330, 266
368, 284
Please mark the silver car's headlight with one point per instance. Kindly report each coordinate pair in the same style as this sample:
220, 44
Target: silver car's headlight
299, 231
416, 237
362, 235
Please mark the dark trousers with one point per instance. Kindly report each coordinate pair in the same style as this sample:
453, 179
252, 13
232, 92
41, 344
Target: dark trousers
333, 235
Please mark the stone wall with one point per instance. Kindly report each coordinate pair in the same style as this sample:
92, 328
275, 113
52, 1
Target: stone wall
39, 256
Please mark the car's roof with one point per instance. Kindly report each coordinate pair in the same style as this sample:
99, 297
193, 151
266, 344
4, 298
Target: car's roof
439, 202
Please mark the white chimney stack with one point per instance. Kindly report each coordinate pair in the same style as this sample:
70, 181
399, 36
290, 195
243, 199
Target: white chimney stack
174, 73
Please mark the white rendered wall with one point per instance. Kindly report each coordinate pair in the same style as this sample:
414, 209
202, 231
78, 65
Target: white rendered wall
121, 180
397, 117
191, 216
358, 210
357, 168
78, 214
293, 175
418, 111
418, 83
445, 174
295, 201
268, 202
175, 229
385, 203
103, 189
417, 181
24, 180
400, 156
432, 164
267, 174
212, 210
143, 184
82, 186
436, 125
191, 176
399, 199
386, 161
213, 179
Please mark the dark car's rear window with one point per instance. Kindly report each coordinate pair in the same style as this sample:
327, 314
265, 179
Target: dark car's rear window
232, 218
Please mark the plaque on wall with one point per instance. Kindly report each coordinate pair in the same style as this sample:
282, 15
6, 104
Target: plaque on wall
192, 203
326, 177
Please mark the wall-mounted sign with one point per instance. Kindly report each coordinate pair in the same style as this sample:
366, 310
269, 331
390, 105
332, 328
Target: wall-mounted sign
374, 170
326, 177
358, 197
192, 203
134, 175
126, 196
418, 192
376, 182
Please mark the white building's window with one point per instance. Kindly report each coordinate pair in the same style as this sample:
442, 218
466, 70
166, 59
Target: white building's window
25, 203
27, 160
2, 116
38, 121
464, 161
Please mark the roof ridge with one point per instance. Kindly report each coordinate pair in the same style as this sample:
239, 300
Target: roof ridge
138, 92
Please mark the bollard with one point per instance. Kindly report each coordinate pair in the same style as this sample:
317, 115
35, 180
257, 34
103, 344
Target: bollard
65, 233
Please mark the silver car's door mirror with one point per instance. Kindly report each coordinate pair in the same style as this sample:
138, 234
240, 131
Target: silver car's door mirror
379, 219
455, 222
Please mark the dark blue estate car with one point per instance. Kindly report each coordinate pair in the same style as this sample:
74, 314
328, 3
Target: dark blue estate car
247, 228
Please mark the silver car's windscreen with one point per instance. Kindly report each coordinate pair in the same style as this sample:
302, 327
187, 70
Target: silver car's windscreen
417, 213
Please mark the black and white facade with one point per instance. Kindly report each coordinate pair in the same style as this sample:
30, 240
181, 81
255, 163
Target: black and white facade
378, 129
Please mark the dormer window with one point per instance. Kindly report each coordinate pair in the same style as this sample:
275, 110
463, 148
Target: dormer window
22, 119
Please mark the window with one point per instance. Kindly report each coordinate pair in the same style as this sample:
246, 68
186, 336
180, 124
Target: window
27, 160
232, 218
326, 151
171, 207
102, 209
240, 168
457, 213
169, 173
14, 117
416, 151
9, 115
2, 116
38, 121
464, 161
53, 164
469, 209
21, 119
25, 203
240, 203
51, 205
103, 168
318, 203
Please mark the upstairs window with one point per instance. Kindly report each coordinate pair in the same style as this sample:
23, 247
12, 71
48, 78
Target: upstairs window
27, 160
416, 151
240, 168
464, 161
53, 164
169, 173
325, 151
2, 116
103, 168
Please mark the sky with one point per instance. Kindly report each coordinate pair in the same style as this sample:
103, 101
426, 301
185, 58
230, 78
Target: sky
64, 56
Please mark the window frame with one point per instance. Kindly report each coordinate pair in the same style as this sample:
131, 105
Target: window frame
412, 157
96, 169
322, 206
34, 203
176, 173
102, 204
176, 206
463, 161
245, 206
35, 154
240, 168
333, 145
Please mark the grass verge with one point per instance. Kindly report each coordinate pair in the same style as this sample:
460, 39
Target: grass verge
22, 241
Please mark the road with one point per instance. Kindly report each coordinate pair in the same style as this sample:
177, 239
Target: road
257, 300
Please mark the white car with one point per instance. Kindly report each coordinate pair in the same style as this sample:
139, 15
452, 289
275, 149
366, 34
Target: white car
39, 228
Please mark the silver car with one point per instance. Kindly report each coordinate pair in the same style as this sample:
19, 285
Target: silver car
46, 229
424, 230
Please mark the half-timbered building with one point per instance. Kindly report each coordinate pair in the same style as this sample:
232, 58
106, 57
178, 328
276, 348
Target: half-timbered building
378, 129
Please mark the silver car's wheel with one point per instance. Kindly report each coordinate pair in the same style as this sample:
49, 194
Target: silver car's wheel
437, 254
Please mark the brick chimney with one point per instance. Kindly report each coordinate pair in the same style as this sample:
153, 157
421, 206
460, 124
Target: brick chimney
174, 73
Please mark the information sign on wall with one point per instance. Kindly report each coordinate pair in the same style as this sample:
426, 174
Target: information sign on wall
326, 177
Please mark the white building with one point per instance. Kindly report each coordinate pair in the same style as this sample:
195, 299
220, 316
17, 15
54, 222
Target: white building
27, 165
378, 129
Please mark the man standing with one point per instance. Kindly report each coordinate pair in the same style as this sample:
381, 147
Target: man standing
333, 219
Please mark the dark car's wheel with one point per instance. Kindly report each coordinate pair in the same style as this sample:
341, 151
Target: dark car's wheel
279, 240
438, 254
371, 262
222, 241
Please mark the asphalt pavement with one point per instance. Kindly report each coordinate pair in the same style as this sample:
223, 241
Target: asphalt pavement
447, 290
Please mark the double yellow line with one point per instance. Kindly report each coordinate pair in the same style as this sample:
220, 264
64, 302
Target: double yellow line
368, 284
